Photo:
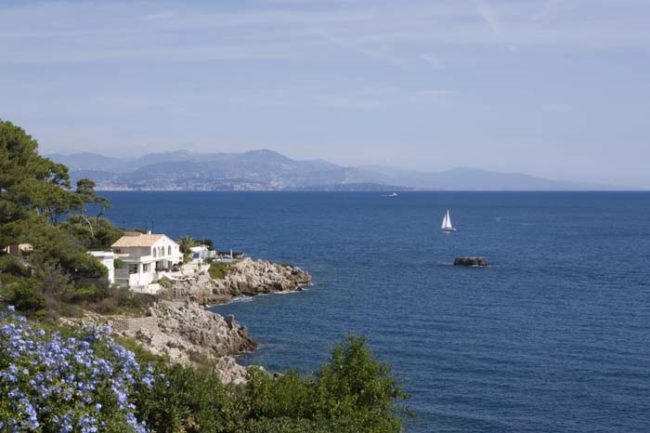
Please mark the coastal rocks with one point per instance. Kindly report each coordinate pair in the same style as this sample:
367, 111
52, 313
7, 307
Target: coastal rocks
188, 334
229, 371
471, 261
251, 277
246, 277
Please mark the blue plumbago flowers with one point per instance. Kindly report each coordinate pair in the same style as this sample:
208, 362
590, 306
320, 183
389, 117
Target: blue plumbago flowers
82, 382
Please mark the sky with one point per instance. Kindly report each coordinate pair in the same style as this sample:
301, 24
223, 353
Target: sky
554, 88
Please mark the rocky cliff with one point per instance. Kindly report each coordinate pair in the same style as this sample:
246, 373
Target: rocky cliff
245, 278
186, 333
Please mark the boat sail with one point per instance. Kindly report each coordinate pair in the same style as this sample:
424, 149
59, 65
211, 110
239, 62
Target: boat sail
446, 223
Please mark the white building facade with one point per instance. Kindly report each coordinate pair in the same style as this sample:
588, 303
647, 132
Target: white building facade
106, 258
200, 253
144, 258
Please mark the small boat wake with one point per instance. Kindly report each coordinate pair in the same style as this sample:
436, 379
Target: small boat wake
508, 221
239, 299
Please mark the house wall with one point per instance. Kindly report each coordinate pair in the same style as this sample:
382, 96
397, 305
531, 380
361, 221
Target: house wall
140, 278
108, 262
161, 255
167, 249
163, 249
133, 252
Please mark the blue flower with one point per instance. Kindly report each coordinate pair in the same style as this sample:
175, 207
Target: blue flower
56, 381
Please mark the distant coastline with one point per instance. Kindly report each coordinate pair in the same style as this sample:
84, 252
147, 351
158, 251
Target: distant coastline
265, 170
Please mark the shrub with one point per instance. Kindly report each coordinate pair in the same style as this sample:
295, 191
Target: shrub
218, 270
14, 266
122, 300
27, 299
165, 282
353, 393
50, 382
357, 389
183, 399
23, 295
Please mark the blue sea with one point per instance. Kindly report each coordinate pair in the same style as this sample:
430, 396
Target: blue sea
554, 336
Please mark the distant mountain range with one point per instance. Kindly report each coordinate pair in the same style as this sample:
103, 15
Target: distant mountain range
265, 170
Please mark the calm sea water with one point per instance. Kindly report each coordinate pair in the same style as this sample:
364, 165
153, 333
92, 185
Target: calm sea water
553, 337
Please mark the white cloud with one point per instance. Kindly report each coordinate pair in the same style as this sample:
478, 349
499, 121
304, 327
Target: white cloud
395, 35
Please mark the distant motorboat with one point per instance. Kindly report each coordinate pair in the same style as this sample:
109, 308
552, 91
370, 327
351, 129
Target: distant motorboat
394, 194
446, 223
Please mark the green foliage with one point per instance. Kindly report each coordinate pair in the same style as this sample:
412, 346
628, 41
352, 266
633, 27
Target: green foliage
141, 354
24, 296
207, 242
29, 184
185, 243
165, 282
95, 233
56, 247
118, 300
35, 195
352, 392
187, 400
356, 388
194, 400
14, 266
218, 270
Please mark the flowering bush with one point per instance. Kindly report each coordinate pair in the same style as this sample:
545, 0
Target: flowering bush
82, 382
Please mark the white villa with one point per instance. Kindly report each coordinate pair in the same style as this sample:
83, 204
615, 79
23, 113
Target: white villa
144, 257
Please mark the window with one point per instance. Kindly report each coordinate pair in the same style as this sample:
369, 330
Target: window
146, 267
169, 250
133, 269
155, 252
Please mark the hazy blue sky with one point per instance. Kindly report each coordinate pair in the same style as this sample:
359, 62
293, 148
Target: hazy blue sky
558, 88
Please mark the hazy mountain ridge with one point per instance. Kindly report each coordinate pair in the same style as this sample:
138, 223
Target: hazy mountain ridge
266, 170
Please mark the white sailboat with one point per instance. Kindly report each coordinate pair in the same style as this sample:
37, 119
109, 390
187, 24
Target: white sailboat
446, 223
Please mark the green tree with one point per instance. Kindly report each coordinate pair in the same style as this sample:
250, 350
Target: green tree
358, 390
35, 195
31, 186
85, 194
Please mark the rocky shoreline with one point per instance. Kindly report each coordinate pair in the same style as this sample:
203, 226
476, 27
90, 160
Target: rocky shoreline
187, 334
178, 326
246, 277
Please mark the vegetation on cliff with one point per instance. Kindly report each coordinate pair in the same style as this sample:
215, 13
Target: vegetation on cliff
218, 270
